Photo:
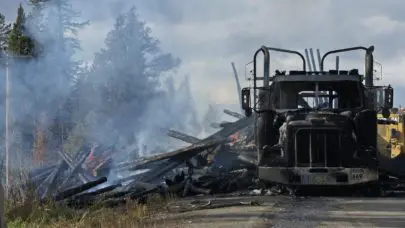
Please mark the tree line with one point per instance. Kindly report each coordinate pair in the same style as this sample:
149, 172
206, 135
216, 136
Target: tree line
122, 98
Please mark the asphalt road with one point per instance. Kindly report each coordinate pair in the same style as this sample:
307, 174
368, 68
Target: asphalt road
284, 212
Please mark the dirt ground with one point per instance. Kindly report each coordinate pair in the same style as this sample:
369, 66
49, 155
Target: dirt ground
280, 211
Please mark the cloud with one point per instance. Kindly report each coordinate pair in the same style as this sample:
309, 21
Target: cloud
208, 35
380, 25
208, 41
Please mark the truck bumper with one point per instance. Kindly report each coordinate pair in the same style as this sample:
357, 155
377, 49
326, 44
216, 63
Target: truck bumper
307, 176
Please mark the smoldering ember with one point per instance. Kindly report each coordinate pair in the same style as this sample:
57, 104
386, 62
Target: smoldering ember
221, 163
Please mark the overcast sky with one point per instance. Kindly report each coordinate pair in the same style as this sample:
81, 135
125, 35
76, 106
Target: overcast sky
208, 34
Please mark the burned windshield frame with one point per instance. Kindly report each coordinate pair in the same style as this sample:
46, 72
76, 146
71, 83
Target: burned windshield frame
339, 94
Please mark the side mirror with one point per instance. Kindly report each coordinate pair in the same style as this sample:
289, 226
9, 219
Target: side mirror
246, 101
388, 97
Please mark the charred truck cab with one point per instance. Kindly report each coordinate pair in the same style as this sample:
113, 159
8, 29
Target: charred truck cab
316, 128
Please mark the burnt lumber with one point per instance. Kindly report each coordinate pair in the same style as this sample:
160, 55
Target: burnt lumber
222, 124
198, 160
181, 154
82, 177
50, 181
41, 170
158, 173
219, 163
75, 169
234, 114
100, 191
183, 137
79, 189
231, 128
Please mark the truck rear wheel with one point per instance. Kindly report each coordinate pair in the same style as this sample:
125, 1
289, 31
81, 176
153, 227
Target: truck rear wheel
373, 190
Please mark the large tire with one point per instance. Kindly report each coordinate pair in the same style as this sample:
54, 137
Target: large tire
373, 190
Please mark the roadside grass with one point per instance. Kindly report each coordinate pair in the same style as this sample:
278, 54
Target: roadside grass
23, 210
31, 214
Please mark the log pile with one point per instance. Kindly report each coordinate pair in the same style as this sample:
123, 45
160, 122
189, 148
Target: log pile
221, 163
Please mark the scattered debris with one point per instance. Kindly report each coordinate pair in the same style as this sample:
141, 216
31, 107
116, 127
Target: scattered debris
220, 163
224, 162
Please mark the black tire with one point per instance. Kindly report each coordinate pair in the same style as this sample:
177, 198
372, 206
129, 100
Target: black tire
373, 190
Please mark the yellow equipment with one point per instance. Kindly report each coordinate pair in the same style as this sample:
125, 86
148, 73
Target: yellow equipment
391, 135
390, 142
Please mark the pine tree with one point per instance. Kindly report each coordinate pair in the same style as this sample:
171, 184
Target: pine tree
19, 43
186, 105
4, 32
55, 24
211, 116
35, 22
128, 71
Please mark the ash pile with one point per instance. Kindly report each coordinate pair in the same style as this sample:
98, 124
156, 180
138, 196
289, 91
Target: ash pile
224, 162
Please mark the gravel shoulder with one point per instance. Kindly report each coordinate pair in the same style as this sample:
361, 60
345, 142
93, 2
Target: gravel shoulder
280, 211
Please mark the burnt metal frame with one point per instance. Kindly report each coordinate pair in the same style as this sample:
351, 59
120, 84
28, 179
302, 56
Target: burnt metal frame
310, 151
369, 53
371, 48
266, 52
266, 77
315, 78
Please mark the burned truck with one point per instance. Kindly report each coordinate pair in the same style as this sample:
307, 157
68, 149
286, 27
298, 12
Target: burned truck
316, 128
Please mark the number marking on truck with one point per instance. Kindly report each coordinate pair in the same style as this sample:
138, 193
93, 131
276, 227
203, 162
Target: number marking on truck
357, 174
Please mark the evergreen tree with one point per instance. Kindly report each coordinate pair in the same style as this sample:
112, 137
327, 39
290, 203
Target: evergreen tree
4, 32
55, 24
171, 91
211, 116
128, 71
35, 22
19, 43
185, 104
175, 109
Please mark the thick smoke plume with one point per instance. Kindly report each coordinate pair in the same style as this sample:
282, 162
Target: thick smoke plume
125, 98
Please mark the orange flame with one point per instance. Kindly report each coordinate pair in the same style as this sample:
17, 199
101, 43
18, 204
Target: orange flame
235, 136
